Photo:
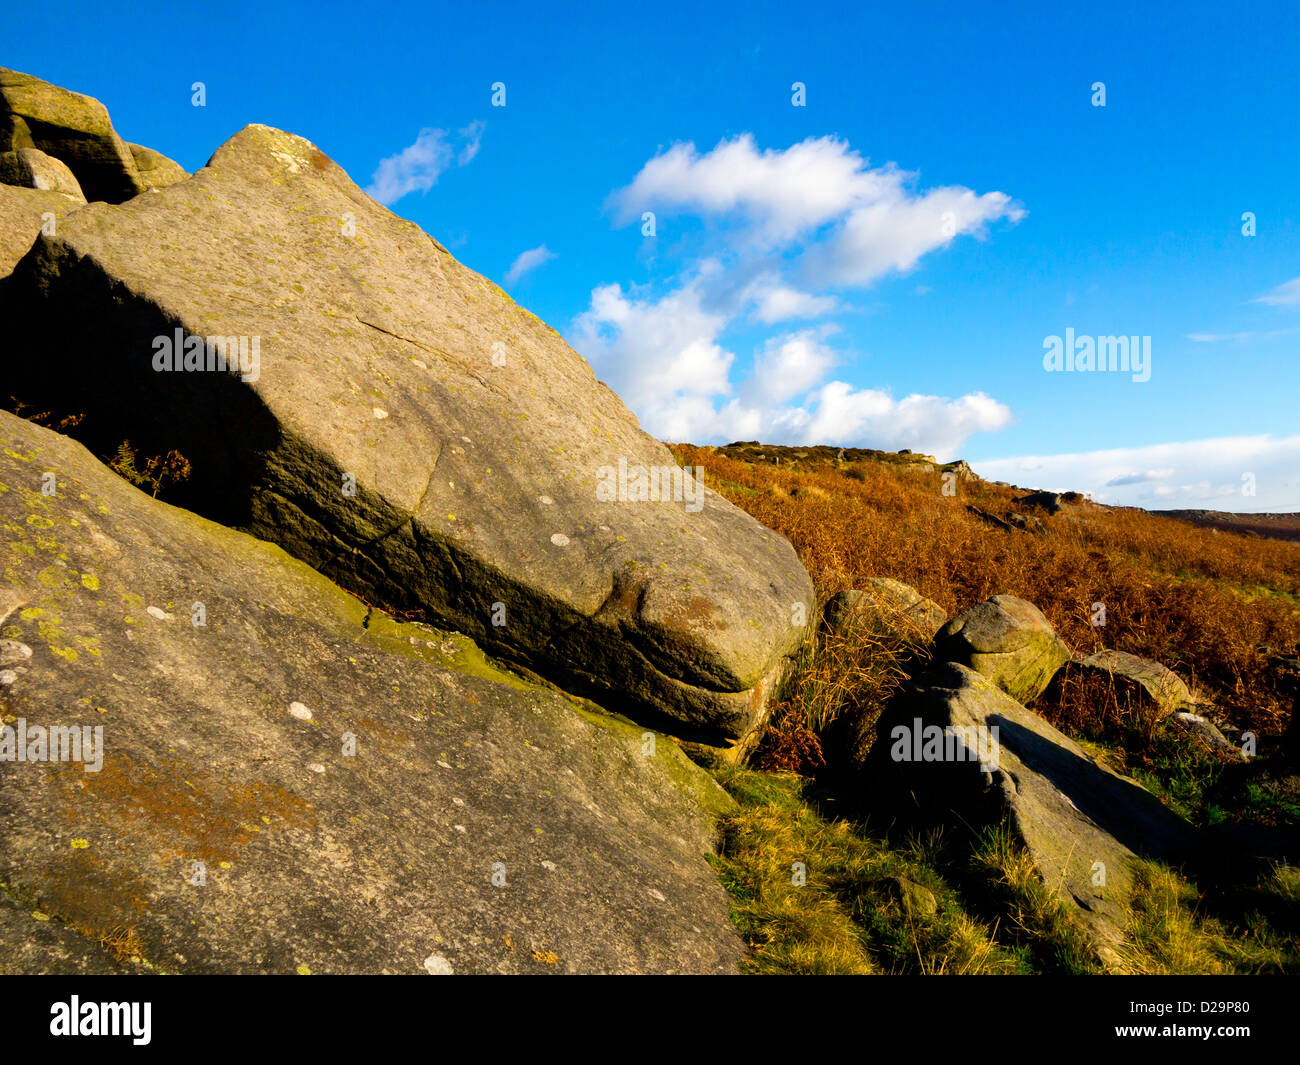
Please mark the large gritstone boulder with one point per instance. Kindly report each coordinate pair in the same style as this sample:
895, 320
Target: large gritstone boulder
398, 422
31, 168
214, 760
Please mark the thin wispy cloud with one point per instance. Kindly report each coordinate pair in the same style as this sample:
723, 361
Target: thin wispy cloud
1285, 295
1241, 338
1237, 473
472, 135
417, 167
528, 261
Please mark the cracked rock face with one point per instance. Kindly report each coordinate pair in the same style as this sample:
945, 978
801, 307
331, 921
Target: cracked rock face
409, 431
302, 785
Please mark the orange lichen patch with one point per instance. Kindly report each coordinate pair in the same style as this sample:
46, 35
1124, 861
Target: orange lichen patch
101, 901
178, 811
546, 957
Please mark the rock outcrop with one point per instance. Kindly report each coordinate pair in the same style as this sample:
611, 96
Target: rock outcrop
905, 460
301, 783
1007, 640
1013, 522
1052, 502
952, 745
70, 127
407, 430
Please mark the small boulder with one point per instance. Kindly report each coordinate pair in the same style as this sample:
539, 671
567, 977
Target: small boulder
1027, 523
884, 607
1052, 502
31, 168
1140, 678
1199, 725
991, 519
1007, 640
916, 900
156, 170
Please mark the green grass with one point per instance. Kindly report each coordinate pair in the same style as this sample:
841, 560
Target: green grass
1178, 930
848, 917
991, 915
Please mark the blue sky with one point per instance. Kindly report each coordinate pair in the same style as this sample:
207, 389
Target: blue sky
879, 267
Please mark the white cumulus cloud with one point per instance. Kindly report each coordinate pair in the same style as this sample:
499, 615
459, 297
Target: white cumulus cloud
651, 351
783, 196
783, 192
840, 414
664, 358
789, 366
776, 302
892, 232
796, 224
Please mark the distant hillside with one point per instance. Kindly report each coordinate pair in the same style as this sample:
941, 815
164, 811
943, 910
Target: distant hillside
1271, 526
812, 455
1268, 526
